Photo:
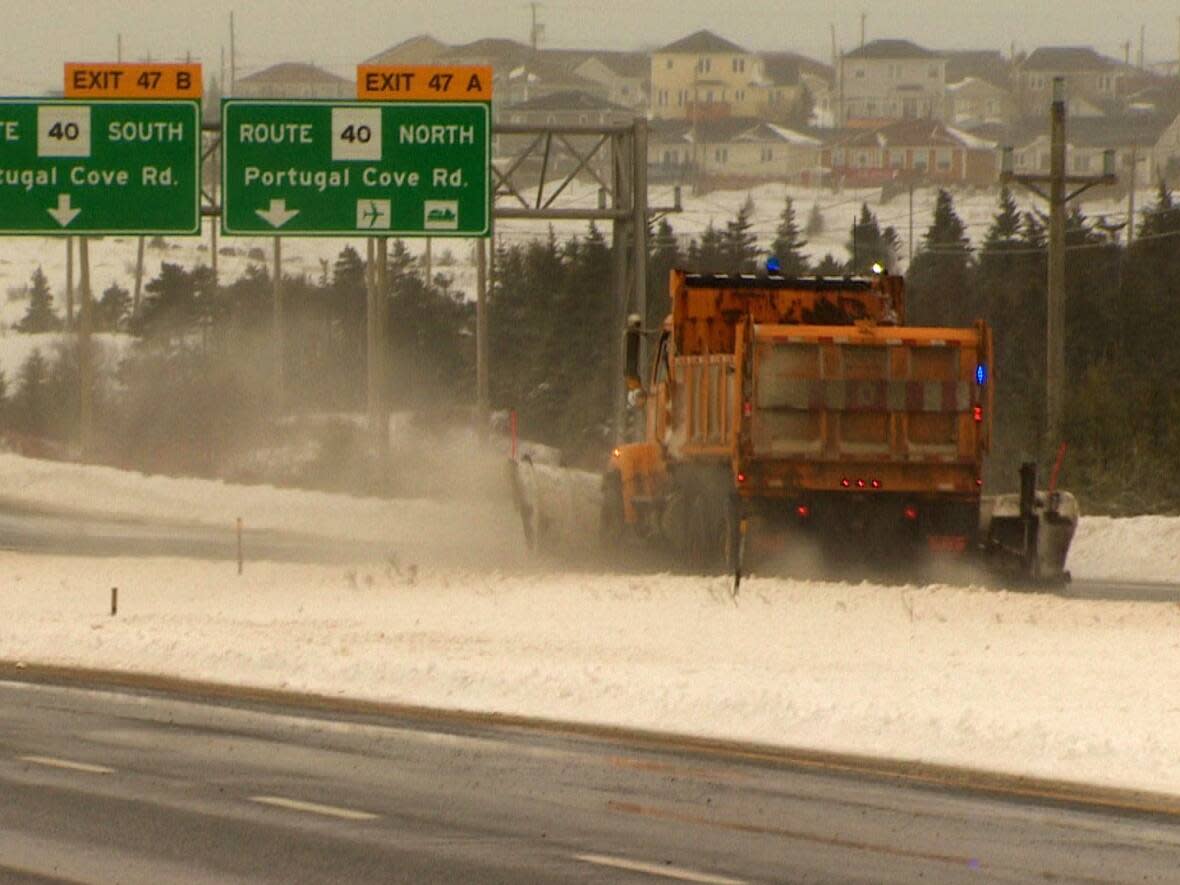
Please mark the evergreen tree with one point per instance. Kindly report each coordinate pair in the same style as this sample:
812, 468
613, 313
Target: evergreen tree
829, 266
788, 244
870, 245
708, 256
940, 291
665, 255
40, 316
112, 309
30, 403
174, 304
815, 221
739, 245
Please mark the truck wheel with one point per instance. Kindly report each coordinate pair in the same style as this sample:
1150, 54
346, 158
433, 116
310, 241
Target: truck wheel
712, 532
611, 523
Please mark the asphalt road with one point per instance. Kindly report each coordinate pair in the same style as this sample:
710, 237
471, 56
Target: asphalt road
33, 530
104, 786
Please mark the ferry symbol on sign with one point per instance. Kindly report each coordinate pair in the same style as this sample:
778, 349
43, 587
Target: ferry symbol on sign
374, 215
441, 215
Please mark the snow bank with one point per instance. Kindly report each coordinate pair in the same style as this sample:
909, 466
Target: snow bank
1136, 548
458, 529
1030, 684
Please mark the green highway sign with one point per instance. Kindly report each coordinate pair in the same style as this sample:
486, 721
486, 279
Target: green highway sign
103, 167
317, 168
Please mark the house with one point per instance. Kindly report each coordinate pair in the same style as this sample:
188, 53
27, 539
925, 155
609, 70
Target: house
626, 76
420, 50
973, 102
922, 150
731, 152
573, 108
294, 80
539, 77
891, 80
1090, 77
1140, 142
703, 76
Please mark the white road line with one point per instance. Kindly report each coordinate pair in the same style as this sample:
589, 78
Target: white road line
656, 869
314, 808
66, 763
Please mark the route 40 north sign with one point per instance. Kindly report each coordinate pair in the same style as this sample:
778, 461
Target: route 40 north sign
329, 168
103, 167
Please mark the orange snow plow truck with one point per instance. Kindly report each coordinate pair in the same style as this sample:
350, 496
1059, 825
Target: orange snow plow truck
786, 415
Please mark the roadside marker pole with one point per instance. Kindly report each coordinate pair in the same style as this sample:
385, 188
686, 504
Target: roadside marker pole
239, 545
114, 601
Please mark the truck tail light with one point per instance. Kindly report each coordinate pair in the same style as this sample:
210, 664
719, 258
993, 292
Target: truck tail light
910, 512
803, 511
977, 414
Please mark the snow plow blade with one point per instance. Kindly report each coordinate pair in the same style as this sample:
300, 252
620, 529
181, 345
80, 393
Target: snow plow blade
1026, 536
559, 507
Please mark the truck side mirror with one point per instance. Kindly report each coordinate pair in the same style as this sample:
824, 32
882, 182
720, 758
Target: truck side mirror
631, 349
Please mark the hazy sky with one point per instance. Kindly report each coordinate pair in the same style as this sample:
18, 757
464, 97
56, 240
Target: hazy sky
40, 35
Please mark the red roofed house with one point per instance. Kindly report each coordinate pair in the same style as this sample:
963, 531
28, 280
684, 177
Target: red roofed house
926, 150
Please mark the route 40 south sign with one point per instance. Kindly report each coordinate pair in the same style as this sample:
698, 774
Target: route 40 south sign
104, 167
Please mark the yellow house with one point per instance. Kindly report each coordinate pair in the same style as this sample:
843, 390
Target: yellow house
703, 76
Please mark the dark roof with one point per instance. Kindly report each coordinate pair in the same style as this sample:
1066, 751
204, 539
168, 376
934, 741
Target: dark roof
902, 133
1105, 132
1067, 58
982, 64
721, 129
415, 48
785, 68
625, 64
701, 41
891, 49
292, 71
569, 100
497, 51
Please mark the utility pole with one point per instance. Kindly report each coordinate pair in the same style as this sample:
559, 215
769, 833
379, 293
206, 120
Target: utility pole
279, 348
85, 355
1057, 180
375, 341
536, 29
69, 282
233, 58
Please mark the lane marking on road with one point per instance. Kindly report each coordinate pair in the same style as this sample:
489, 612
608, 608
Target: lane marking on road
314, 808
762, 830
68, 764
656, 869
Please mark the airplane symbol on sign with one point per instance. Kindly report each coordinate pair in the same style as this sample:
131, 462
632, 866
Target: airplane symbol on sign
373, 214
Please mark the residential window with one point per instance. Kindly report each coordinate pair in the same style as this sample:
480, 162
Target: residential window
721, 155
703, 65
663, 98
767, 155
739, 65
862, 159
942, 159
838, 157
670, 158
870, 107
739, 95
680, 98
668, 64
709, 97
859, 73
897, 159
932, 72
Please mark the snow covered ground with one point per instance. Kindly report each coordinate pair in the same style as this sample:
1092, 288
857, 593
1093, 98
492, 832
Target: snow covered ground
1025, 683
